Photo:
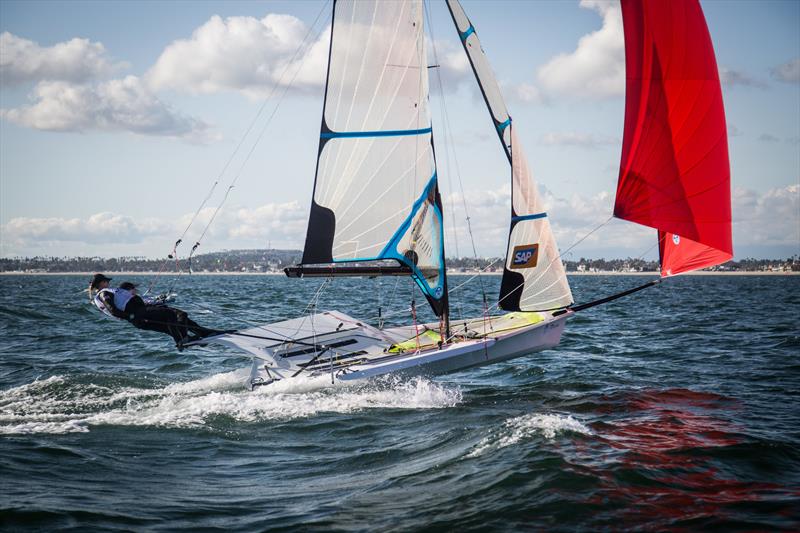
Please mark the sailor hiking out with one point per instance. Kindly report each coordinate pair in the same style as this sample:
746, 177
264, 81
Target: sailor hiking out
145, 313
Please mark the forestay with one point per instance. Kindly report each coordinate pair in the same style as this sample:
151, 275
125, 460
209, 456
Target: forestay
376, 195
534, 277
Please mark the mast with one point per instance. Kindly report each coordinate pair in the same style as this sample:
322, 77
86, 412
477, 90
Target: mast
376, 196
533, 275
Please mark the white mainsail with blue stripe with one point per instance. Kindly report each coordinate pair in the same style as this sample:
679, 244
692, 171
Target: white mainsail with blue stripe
375, 194
534, 277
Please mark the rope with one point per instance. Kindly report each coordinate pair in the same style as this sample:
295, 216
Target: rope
230, 159
484, 269
264, 128
451, 145
453, 232
414, 316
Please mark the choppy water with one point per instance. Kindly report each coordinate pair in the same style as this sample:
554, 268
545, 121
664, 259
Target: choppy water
677, 408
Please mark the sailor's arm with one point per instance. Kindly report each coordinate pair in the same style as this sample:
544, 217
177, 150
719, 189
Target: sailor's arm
108, 301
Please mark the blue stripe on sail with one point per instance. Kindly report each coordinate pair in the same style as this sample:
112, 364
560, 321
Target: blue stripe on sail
504, 125
528, 217
383, 133
390, 249
467, 33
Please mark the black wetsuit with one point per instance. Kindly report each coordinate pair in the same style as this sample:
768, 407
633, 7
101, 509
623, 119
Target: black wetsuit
164, 319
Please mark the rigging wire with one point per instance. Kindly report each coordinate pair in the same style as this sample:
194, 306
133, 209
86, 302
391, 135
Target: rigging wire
448, 131
263, 130
453, 228
257, 141
554, 259
446, 151
267, 99
573, 245
484, 269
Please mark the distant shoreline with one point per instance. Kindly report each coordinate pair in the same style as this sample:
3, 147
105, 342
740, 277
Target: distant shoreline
468, 273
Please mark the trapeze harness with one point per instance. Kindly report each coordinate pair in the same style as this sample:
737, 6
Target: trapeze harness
104, 300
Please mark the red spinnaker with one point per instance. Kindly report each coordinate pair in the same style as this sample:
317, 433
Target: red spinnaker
674, 173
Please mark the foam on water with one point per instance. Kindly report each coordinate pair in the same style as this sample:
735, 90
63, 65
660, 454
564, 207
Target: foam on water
523, 427
63, 405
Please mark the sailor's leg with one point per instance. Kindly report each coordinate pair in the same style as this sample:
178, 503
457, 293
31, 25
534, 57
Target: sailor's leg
163, 320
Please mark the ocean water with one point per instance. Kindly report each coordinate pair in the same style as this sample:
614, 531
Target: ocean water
677, 408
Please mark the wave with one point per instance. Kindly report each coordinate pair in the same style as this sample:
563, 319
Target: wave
524, 427
67, 405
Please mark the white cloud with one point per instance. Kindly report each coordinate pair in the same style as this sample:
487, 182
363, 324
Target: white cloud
242, 54
282, 223
526, 92
115, 105
596, 69
582, 140
452, 63
76, 60
771, 218
279, 222
766, 218
571, 219
730, 78
788, 72
101, 228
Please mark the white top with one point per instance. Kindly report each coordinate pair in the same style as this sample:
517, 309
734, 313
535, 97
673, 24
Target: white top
99, 302
121, 298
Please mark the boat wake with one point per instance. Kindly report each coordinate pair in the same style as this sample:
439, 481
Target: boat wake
526, 426
62, 404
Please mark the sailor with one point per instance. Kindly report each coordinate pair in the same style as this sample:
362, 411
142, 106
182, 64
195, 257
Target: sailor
102, 296
154, 315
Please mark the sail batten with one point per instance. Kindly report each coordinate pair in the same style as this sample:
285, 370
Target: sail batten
379, 133
376, 192
674, 169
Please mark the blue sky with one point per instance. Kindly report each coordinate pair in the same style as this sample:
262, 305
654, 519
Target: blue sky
117, 118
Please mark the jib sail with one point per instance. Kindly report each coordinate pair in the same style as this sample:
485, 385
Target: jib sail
533, 277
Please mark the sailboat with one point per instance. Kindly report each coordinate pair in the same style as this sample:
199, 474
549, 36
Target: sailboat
376, 209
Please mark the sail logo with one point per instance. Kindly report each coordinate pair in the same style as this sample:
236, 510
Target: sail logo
676, 239
525, 256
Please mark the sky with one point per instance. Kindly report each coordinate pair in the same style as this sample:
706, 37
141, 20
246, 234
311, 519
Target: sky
117, 118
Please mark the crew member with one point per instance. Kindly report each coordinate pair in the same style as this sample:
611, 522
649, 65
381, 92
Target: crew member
102, 296
154, 316
150, 314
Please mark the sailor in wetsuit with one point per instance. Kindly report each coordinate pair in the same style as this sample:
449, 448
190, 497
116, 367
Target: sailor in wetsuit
102, 296
124, 303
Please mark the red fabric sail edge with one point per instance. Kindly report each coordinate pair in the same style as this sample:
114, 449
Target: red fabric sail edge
680, 254
674, 170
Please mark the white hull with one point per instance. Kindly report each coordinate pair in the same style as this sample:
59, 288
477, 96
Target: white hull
466, 354
348, 351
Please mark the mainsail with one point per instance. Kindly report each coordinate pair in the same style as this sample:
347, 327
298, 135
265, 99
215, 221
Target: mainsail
674, 173
533, 277
376, 195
